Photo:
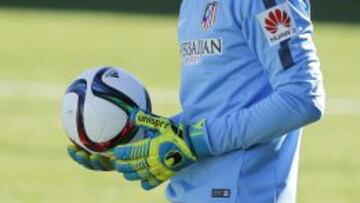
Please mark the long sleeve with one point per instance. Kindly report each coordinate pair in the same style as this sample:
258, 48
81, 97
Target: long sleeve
280, 35
176, 118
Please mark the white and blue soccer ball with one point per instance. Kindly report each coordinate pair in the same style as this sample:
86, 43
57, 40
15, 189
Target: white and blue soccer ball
93, 112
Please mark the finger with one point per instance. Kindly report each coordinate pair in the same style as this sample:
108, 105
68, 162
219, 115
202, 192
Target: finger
101, 163
157, 171
150, 184
132, 176
139, 175
71, 149
83, 159
161, 173
131, 166
97, 165
133, 151
123, 168
108, 163
79, 156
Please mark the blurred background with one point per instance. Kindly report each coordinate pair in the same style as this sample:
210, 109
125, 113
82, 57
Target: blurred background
45, 44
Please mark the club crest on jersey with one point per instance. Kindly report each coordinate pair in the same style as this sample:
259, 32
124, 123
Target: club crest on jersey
278, 23
209, 18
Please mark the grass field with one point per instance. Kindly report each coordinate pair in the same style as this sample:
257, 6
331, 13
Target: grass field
42, 51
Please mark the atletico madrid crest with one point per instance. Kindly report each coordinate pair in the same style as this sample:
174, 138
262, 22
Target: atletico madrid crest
209, 18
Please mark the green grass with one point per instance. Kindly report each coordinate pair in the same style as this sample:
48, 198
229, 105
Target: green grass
41, 52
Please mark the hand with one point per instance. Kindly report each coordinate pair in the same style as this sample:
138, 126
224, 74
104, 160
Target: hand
155, 159
90, 161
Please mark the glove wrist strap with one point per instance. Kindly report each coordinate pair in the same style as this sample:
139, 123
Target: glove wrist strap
195, 138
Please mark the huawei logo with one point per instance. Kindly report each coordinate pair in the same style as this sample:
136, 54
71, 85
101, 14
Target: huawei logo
278, 23
277, 20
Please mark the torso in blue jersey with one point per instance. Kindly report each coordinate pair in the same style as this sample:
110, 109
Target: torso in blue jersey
222, 77
222, 73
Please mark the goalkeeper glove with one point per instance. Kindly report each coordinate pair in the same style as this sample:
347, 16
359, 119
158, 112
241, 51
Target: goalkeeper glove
90, 161
170, 148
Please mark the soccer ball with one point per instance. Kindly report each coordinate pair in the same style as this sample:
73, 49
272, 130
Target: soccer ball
96, 109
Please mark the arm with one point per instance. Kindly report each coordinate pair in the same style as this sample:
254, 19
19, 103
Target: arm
176, 118
294, 74
297, 100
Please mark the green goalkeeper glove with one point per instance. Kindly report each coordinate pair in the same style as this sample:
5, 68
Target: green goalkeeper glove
90, 161
155, 159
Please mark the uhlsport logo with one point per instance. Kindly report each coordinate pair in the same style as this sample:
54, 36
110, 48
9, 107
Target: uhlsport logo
193, 51
278, 23
209, 18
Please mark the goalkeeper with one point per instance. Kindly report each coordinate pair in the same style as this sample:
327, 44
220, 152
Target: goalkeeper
250, 80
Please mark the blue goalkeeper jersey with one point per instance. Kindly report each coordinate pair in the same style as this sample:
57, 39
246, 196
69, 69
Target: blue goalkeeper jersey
250, 68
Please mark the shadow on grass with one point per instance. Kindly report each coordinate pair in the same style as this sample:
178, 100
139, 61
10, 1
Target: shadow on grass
344, 11
165, 7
